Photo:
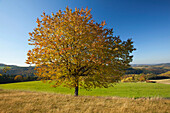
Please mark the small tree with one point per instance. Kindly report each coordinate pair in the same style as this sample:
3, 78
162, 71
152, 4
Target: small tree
18, 78
71, 49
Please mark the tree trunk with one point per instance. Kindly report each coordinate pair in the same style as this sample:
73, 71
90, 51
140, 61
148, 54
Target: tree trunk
76, 91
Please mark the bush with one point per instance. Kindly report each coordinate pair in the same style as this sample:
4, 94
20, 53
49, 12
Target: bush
142, 78
134, 77
128, 78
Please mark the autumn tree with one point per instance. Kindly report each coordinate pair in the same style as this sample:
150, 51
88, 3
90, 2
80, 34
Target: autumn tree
18, 78
74, 51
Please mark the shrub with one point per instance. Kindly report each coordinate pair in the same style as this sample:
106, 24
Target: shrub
142, 78
134, 77
128, 78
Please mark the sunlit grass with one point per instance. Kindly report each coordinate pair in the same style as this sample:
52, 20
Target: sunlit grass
121, 89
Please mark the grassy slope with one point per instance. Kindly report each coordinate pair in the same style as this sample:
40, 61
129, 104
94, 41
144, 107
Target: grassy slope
1, 67
30, 102
122, 89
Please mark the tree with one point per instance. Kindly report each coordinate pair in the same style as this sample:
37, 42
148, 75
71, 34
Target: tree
18, 78
74, 51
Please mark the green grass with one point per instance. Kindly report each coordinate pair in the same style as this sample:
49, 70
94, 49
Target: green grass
121, 89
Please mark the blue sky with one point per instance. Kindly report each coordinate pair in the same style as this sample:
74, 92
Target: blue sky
147, 22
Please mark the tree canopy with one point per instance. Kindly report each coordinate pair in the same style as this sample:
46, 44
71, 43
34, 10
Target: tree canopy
73, 50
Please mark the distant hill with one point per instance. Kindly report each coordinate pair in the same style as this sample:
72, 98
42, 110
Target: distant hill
164, 64
153, 66
161, 64
150, 68
4, 65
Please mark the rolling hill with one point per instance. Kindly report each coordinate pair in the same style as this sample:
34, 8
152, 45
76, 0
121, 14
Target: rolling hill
135, 69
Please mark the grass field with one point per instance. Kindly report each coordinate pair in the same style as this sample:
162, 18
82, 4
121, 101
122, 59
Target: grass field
132, 90
41, 98
30, 102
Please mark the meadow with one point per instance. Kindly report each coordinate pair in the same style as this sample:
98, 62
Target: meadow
132, 90
36, 96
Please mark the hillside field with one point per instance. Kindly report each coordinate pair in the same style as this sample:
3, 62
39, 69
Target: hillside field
132, 90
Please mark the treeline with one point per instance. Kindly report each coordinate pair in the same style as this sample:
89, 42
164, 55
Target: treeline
6, 78
24, 71
10, 74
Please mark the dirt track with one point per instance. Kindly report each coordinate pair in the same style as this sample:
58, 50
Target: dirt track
162, 81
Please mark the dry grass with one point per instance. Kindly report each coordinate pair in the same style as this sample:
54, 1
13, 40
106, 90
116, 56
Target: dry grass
22, 101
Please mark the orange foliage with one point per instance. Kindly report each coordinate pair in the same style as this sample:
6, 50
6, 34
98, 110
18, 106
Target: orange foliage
70, 48
18, 78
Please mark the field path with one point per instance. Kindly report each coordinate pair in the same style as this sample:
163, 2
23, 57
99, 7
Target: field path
162, 81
